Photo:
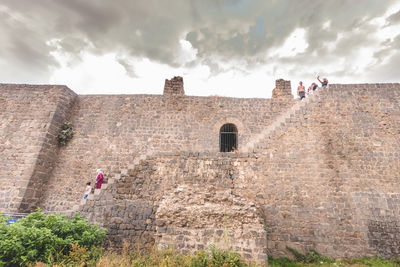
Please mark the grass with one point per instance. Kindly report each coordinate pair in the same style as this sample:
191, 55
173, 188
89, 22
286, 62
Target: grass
313, 258
212, 258
154, 257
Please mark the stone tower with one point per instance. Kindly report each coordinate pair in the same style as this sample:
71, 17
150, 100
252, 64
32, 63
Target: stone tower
174, 86
282, 89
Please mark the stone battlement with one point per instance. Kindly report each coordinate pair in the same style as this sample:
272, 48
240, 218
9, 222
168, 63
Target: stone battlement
282, 89
174, 86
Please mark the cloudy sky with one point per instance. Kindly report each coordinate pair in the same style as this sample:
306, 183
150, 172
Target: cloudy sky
221, 47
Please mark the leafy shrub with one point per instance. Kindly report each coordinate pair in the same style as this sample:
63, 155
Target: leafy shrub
47, 239
297, 255
226, 258
311, 257
283, 261
65, 134
76, 256
315, 257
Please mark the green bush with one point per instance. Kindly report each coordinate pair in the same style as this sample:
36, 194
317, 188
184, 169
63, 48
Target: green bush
65, 134
311, 257
47, 239
282, 261
221, 257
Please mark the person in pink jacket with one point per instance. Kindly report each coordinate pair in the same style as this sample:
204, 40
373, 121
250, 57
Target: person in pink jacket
99, 179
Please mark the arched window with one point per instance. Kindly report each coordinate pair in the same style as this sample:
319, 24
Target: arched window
228, 138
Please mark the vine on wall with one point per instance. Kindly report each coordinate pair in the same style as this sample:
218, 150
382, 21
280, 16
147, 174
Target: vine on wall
65, 134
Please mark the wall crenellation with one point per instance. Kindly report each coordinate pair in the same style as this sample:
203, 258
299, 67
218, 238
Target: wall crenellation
282, 89
174, 86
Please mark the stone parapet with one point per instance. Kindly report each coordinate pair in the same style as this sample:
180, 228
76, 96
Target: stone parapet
174, 86
282, 89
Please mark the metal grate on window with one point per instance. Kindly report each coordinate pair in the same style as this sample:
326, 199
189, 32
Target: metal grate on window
228, 137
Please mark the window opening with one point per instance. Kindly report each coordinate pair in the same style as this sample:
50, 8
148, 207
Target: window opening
228, 138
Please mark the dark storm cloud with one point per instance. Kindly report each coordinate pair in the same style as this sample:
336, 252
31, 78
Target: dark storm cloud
142, 28
220, 30
129, 68
23, 53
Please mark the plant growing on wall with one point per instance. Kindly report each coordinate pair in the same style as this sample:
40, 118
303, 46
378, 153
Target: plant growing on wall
65, 134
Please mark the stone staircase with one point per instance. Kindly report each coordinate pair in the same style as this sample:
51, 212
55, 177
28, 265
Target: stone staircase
137, 161
261, 140
256, 145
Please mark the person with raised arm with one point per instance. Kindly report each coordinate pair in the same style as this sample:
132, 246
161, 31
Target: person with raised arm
324, 82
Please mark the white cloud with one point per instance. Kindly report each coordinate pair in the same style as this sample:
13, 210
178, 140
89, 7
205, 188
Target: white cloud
187, 53
105, 75
327, 25
295, 44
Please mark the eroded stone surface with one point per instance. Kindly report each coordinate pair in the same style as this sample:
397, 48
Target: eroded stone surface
198, 216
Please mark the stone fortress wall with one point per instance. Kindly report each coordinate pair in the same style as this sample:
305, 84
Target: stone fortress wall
30, 119
113, 130
319, 174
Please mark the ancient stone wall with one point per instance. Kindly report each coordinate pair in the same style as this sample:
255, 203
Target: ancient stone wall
326, 180
185, 201
30, 117
325, 177
329, 180
112, 130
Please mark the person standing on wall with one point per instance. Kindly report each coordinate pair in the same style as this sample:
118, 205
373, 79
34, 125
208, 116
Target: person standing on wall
99, 179
301, 91
324, 82
312, 88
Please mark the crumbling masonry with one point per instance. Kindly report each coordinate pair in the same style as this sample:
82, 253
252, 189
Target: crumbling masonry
322, 173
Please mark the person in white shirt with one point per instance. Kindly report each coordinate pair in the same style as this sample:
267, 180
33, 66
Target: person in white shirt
87, 191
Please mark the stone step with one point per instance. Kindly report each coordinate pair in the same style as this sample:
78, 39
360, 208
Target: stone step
112, 180
285, 120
